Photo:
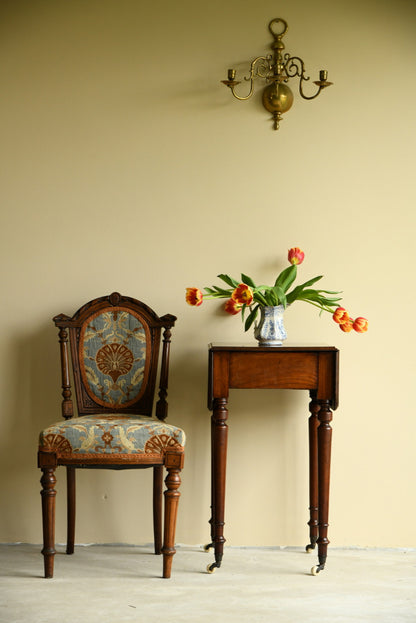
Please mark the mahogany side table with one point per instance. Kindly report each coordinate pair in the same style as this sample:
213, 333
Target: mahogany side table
313, 368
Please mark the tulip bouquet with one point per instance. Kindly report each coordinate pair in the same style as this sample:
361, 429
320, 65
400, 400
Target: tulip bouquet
246, 295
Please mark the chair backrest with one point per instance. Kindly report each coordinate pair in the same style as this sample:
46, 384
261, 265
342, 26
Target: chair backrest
114, 343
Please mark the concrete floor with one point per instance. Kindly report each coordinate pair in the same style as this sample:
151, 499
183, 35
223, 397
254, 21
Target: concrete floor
113, 584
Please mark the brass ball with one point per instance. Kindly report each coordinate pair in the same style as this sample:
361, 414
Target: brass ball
277, 97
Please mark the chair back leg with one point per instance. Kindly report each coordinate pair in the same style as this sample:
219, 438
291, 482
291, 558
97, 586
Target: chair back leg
157, 507
70, 509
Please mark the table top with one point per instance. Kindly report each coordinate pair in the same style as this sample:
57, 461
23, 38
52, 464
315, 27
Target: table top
222, 346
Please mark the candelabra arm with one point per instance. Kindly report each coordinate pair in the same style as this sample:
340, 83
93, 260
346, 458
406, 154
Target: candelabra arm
259, 68
294, 66
308, 97
322, 83
241, 97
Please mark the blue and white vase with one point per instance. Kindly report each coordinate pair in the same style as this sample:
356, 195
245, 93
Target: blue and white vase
270, 330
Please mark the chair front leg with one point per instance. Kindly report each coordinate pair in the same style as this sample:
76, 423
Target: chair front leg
48, 494
174, 464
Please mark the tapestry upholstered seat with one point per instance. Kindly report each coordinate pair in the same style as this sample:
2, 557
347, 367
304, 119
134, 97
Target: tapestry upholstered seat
122, 436
114, 344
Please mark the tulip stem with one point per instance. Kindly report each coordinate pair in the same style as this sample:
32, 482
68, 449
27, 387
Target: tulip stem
321, 307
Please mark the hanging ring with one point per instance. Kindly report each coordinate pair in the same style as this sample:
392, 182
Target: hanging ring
278, 35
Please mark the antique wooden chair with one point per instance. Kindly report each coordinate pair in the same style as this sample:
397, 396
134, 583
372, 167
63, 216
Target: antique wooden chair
114, 346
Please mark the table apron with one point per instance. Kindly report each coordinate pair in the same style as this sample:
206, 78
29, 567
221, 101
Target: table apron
273, 371
316, 371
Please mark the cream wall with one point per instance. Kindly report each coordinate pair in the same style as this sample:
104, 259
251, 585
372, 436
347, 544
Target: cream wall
126, 166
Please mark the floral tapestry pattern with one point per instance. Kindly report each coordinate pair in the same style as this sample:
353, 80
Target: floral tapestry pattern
113, 357
119, 435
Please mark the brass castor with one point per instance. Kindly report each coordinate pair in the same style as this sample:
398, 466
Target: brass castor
316, 569
211, 568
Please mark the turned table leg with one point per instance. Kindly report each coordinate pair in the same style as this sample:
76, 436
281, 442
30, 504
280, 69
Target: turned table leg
219, 461
208, 546
324, 465
314, 408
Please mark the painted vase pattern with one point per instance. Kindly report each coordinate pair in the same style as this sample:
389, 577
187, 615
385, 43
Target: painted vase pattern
270, 331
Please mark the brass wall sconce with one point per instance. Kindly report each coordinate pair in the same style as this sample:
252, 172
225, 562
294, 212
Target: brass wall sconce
276, 69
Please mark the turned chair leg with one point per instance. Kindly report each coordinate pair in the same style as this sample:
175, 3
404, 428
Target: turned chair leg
157, 507
172, 496
48, 494
70, 509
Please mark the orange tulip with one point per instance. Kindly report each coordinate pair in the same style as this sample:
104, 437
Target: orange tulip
346, 326
295, 255
232, 307
340, 315
194, 296
243, 294
360, 325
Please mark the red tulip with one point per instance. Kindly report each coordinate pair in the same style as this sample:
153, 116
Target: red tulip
340, 315
295, 255
360, 325
232, 307
243, 294
194, 296
346, 326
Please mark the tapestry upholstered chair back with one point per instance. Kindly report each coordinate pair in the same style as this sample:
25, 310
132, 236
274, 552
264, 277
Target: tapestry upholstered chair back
114, 343
115, 350
112, 350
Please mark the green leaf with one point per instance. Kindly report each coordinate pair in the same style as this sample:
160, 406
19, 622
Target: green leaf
281, 296
270, 297
222, 291
318, 295
259, 297
311, 281
247, 280
228, 280
215, 292
287, 277
292, 296
251, 318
